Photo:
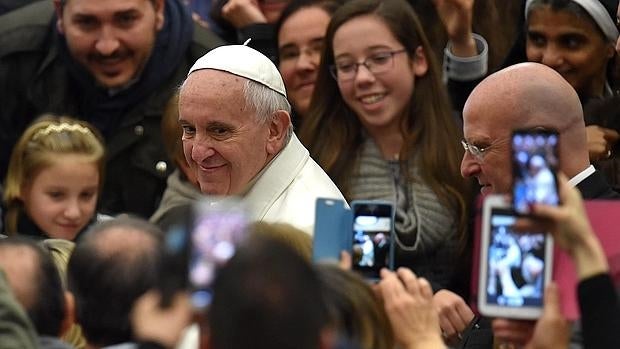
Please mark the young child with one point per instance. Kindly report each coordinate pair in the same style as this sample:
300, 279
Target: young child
54, 178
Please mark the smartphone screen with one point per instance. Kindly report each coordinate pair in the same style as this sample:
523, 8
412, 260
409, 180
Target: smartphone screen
372, 238
516, 264
535, 163
217, 230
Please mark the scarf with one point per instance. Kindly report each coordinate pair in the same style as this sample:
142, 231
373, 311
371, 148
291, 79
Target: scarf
105, 111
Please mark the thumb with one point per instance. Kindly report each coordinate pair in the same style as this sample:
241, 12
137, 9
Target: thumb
552, 301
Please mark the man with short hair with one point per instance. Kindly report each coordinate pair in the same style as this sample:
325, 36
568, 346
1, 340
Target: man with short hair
115, 263
114, 63
36, 284
239, 140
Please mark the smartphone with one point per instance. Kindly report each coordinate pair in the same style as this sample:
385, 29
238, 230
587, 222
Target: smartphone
515, 267
535, 164
219, 227
331, 226
372, 238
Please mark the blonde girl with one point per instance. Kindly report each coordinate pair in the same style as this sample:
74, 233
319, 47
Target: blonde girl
54, 179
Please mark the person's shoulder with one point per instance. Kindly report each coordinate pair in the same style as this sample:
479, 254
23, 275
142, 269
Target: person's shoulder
27, 28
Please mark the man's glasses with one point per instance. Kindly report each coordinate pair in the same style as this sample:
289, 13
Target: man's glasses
473, 149
378, 63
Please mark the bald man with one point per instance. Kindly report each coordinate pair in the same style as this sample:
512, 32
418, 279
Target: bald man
527, 95
109, 269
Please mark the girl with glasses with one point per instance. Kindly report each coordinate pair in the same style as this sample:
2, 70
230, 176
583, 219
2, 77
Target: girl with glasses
380, 124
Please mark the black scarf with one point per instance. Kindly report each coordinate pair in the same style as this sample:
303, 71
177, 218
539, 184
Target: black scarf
104, 111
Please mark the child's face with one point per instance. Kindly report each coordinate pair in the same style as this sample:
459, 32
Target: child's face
61, 199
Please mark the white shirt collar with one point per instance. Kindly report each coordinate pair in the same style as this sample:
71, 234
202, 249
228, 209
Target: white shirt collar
581, 176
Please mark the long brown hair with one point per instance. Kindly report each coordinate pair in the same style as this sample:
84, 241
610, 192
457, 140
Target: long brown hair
334, 135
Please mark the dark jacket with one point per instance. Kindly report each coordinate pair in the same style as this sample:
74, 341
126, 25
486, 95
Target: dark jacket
34, 79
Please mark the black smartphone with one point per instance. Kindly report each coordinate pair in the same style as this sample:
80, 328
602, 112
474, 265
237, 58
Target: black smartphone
515, 267
535, 163
217, 231
372, 237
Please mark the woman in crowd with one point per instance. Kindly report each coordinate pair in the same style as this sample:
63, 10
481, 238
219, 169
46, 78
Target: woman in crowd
380, 124
577, 38
300, 35
53, 179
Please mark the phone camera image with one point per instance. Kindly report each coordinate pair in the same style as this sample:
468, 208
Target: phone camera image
215, 236
371, 244
516, 265
535, 163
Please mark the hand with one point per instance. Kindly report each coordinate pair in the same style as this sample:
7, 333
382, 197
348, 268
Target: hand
515, 333
552, 330
600, 141
571, 230
164, 326
241, 13
408, 304
454, 314
456, 16
345, 262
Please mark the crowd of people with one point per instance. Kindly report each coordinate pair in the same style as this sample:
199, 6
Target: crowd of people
120, 116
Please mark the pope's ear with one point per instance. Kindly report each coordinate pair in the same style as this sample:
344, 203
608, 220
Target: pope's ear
278, 130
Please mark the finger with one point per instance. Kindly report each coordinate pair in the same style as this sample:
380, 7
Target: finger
446, 326
458, 323
390, 285
409, 280
465, 314
425, 289
531, 224
345, 260
552, 300
610, 135
513, 331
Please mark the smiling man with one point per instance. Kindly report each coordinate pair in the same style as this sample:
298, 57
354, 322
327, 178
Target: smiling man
114, 63
239, 140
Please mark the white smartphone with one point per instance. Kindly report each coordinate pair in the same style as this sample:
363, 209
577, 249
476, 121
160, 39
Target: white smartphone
515, 267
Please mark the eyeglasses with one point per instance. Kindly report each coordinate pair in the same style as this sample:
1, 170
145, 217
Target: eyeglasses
378, 63
473, 149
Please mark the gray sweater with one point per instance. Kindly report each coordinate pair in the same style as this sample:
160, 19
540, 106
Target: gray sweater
426, 231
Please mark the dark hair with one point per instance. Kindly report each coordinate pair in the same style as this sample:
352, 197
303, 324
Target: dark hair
354, 308
334, 135
106, 281
48, 308
266, 297
329, 6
